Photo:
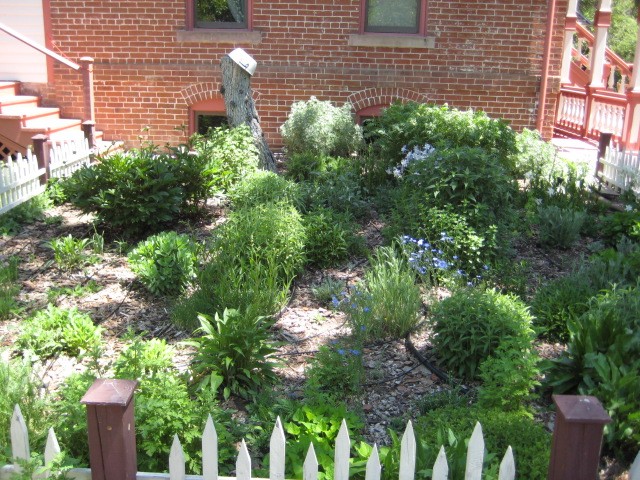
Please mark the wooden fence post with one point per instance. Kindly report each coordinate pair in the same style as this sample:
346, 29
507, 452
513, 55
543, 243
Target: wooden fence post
577, 437
87, 88
41, 152
112, 436
603, 144
89, 129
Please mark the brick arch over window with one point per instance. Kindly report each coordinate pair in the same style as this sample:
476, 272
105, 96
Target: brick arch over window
202, 98
371, 100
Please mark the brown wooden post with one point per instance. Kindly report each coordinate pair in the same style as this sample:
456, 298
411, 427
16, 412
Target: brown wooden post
603, 144
41, 151
87, 88
89, 129
112, 435
577, 437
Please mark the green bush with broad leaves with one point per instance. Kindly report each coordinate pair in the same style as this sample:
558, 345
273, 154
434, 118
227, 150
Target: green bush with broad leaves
165, 263
621, 224
229, 154
59, 330
403, 126
387, 303
603, 359
262, 187
509, 375
453, 426
164, 408
559, 227
319, 127
69, 252
331, 237
233, 354
470, 325
133, 192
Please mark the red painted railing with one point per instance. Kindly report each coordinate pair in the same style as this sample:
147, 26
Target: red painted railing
586, 111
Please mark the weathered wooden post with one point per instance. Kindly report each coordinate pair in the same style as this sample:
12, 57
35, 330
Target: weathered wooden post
88, 95
112, 435
42, 153
89, 129
237, 69
577, 437
603, 144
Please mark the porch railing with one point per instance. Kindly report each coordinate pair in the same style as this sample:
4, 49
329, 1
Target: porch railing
85, 67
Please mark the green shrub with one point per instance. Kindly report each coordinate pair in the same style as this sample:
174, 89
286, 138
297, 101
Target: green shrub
530, 442
470, 325
266, 234
321, 128
134, 192
165, 263
509, 375
337, 190
387, 302
336, 371
144, 358
59, 330
261, 187
559, 227
233, 353
331, 237
313, 166
403, 126
327, 289
229, 154
253, 286
619, 224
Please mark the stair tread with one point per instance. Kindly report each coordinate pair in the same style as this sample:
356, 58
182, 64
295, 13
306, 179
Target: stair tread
17, 99
53, 124
30, 112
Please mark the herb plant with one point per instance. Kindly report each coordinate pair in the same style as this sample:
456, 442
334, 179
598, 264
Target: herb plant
559, 227
69, 252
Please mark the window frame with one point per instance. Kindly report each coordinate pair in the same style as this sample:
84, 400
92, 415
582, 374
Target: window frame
213, 107
421, 22
220, 26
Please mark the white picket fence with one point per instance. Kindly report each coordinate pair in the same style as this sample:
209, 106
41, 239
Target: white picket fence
20, 177
475, 456
621, 169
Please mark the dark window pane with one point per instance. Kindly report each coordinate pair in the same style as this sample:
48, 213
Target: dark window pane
221, 13
205, 121
394, 16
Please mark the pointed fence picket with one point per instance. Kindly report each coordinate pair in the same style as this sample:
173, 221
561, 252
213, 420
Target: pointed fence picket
19, 181
177, 468
22, 179
621, 169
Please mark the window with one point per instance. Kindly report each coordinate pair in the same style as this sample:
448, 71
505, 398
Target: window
205, 121
394, 16
222, 14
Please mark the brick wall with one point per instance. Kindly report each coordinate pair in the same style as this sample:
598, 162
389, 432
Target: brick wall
487, 54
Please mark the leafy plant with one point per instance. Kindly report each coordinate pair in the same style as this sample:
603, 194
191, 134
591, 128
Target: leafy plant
54, 293
263, 234
336, 371
261, 187
59, 330
69, 252
602, 358
31, 211
509, 375
142, 359
336, 189
327, 289
619, 224
530, 442
230, 154
317, 423
321, 128
165, 263
470, 325
559, 227
331, 237
233, 353
8, 286
387, 303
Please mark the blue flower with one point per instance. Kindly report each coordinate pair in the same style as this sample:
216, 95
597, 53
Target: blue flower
341, 351
355, 352
485, 267
335, 301
366, 309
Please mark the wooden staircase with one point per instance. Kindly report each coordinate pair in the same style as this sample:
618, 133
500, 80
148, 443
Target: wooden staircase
22, 117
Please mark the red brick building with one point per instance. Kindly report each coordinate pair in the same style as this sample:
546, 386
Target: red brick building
157, 63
